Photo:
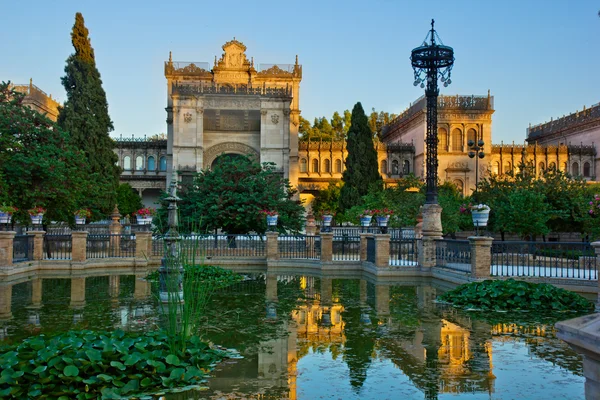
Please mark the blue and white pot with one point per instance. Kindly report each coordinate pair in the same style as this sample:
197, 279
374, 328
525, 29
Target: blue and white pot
480, 218
5, 218
327, 219
37, 219
383, 220
79, 220
272, 220
365, 220
143, 220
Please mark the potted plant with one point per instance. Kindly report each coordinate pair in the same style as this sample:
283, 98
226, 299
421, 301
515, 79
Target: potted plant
480, 214
6, 213
37, 214
383, 216
81, 215
144, 215
365, 218
271, 218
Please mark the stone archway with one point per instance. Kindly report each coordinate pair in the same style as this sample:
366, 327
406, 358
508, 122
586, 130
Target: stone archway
229, 147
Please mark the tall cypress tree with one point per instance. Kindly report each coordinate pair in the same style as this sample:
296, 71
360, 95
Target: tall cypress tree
361, 172
85, 117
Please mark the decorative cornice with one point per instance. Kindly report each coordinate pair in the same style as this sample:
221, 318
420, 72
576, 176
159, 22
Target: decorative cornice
234, 42
275, 71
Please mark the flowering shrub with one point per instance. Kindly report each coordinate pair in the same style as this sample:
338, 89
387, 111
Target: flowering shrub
384, 212
595, 206
269, 213
83, 213
467, 209
145, 212
8, 209
36, 210
367, 213
327, 212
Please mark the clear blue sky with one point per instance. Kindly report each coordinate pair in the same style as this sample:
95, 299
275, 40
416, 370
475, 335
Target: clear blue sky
540, 59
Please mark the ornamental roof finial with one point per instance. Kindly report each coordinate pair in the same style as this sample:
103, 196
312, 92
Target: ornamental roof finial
170, 57
215, 61
252, 62
296, 59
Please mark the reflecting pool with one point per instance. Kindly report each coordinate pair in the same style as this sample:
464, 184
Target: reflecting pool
308, 337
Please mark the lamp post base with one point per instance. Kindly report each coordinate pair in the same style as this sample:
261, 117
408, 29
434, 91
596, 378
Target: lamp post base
432, 221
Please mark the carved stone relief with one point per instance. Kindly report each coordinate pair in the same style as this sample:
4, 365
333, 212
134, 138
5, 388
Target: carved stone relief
229, 147
232, 104
275, 118
187, 117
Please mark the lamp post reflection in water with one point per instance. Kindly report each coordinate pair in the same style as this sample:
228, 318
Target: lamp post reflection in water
171, 269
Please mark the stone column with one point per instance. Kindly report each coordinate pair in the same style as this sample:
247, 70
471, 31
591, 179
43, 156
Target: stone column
143, 245
78, 246
77, 292
114, 285
5, 301
326, 247
481, 256
36, 292
311, 226
426, 249
38, 244
6, 248
141, 289
272, 246
115, 230
271, 287
431, 230
382, 250
363, 246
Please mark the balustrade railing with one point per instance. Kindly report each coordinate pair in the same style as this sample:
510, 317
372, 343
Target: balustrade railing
575, 260
346, 248
404, 252
110, 245
22, 248
57, 247
453, 254
196, 247
299, 246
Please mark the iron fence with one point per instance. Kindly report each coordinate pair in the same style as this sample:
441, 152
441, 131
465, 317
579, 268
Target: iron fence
22, 248
346, 248
110, 245
158, 246
404, 252
544, 259
299, 246
453, 254
371, 249
396, 233
195, 247
57, 247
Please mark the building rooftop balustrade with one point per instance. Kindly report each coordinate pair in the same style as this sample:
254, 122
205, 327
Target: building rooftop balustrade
575, 119
137, 142
210, 88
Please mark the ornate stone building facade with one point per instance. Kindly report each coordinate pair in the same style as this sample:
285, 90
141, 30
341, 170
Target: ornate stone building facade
38, 100
233, 108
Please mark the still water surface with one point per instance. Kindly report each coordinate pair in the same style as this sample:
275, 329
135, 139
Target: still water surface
306, 337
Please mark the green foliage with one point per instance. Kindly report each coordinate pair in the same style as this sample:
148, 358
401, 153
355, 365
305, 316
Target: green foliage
111, 365
450, 199
85, 117
128, 199
38, 164
515, 295
231, 195
327, 199
361, 174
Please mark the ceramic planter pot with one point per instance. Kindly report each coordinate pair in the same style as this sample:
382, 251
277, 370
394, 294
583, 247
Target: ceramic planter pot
37, 219
480, 218
327, 219
383, 220
79, 220
365, 220
272, 220
5, 218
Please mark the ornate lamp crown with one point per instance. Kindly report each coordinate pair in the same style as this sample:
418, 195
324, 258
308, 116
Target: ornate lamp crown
432, 56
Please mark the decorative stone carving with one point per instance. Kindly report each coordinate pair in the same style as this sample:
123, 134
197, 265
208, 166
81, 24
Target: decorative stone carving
199, 110
187, 117
232, 123
275, 71
263, 112
275, 118
229, 147
232, 104
286, 112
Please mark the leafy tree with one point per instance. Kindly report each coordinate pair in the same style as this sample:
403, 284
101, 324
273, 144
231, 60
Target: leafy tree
361, 174
85, 117
38, 165
337, 125
347, 122
231, 195
304, 130
450, 199
525, 213
128, 199
327, 199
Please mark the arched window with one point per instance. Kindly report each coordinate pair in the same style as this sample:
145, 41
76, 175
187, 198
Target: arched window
338, 166
586, 170
472, 135
459, 185
457, 140
395, 167
139, 163
575, 169
507, 167
163, 163
552, 166
442, 139
383, 168
327, 166
496, 168
303, 165
315, 165
151, 163
126, 163
406, 167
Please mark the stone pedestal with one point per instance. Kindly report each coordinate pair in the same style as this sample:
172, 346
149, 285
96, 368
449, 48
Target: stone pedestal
432, 221
38, 244
326, 247
481, 256
6, 248
311, 225
583, 335
78, 246
272, 246
114, 285
5, 302
363, 246
271, 292
77, 292
141, 289
143, 245
382, 250
36, 292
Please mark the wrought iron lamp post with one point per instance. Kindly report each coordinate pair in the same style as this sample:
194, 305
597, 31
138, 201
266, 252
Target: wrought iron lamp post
432, 61
476, 152
171, 270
